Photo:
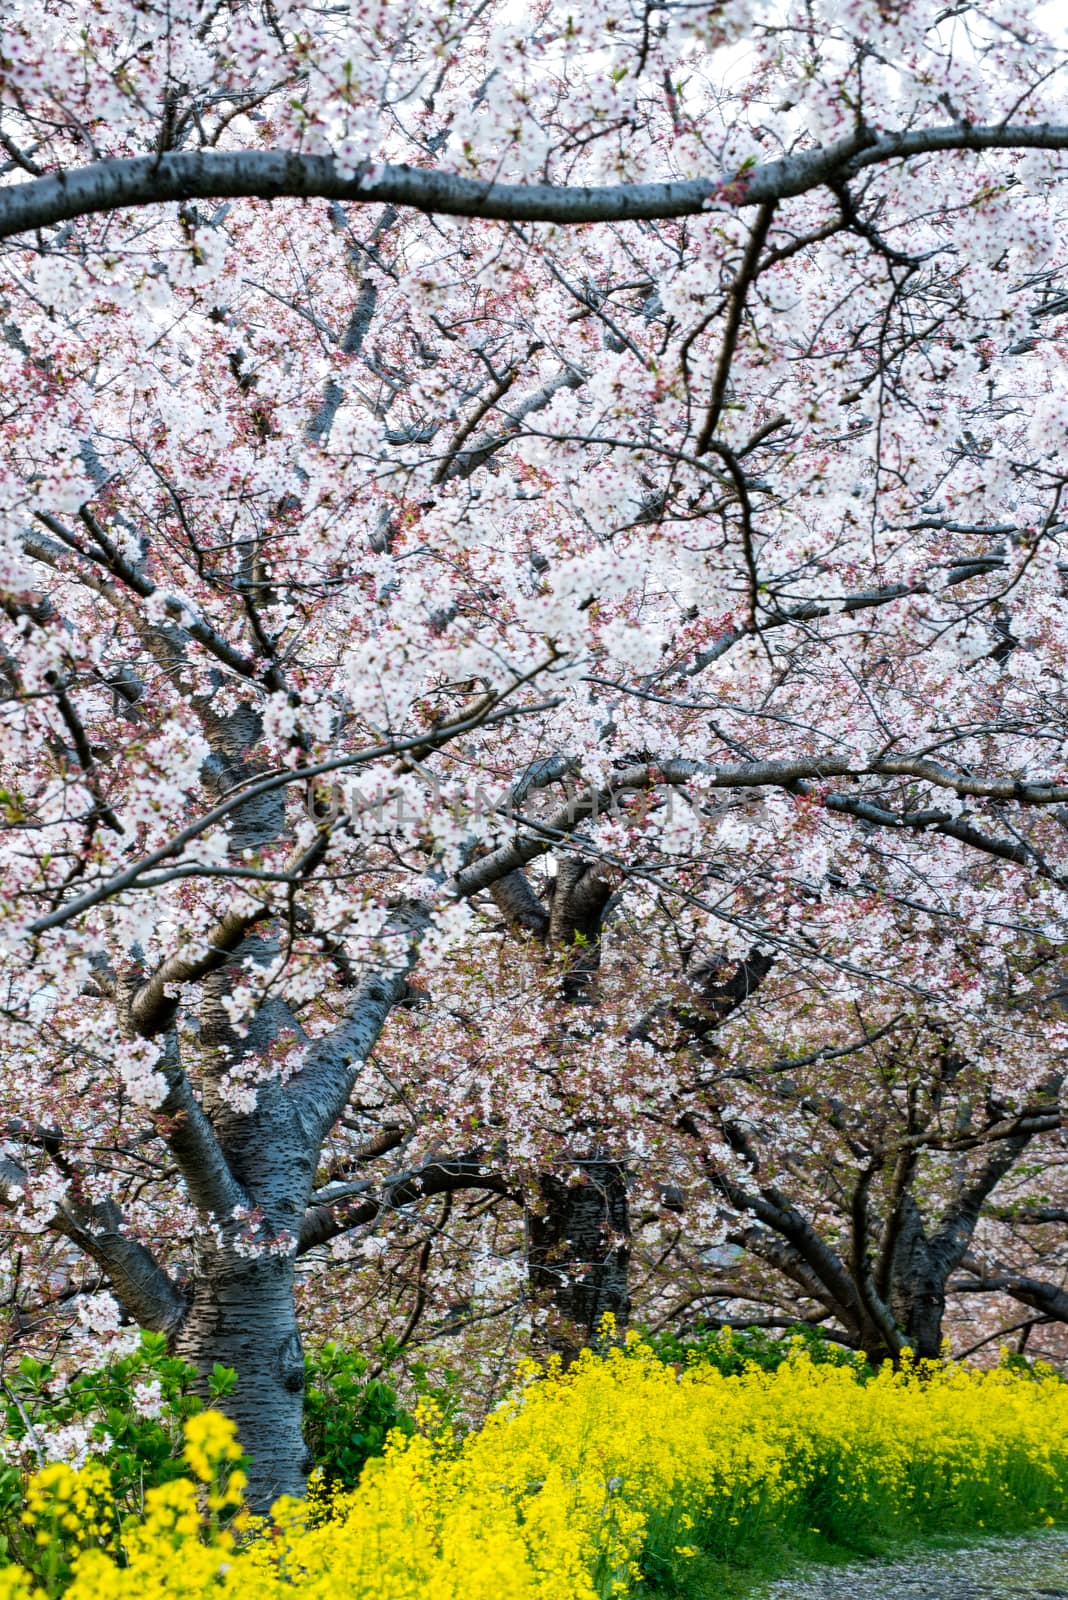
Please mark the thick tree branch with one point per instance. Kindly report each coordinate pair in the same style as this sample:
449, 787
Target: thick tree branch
1049, 1298
181, 611
1029, 1216
519, 905
191, 1139
328, 1219
766, 1245
152, 1008
117, 184
420, 743
780, 1217
146, 1290
322, 1088
949, 1244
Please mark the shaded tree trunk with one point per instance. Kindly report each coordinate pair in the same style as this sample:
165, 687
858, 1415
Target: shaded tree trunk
579, 1245
918, 1286
579, 1253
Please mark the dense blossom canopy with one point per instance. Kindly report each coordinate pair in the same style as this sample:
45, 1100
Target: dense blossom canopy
360, 552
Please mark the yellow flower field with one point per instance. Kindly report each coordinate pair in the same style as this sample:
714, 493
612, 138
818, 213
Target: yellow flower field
586, 1484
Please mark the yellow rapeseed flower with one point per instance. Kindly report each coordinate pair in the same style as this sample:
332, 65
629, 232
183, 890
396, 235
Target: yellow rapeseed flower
582, 1475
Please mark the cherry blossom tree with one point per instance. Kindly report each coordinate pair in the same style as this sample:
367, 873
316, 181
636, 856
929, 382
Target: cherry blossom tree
531, 554
869, 1220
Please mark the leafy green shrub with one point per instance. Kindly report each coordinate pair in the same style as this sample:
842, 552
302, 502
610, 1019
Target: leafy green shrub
347, 1415
127, 1415
732, 1350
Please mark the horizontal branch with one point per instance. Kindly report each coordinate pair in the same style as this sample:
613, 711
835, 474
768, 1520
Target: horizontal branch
120, 183
1029, 1216
1050, 1299
546, 832
443, 1176
542, 834
947, 577
241, 794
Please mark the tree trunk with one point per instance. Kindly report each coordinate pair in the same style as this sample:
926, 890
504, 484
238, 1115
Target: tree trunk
917, 1287
579, 1251
244, 1317
578, 1248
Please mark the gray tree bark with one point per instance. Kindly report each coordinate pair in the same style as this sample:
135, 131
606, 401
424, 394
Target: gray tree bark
119, 183
243, 1315
918, 1281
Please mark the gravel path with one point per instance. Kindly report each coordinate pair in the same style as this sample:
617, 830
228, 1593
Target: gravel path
1031, 1568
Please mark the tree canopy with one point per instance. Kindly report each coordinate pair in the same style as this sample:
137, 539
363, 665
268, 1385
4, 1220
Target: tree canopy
534, 635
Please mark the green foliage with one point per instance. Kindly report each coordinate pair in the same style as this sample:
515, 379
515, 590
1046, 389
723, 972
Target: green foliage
1031, 1366
831, 1524
139, 1443
846, 1509
350, 1411
347, 1415
732, 1350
